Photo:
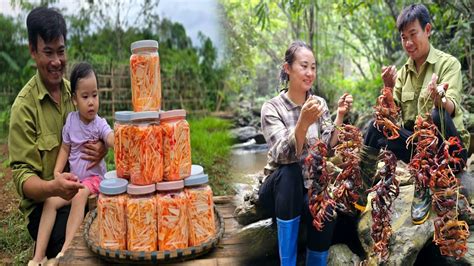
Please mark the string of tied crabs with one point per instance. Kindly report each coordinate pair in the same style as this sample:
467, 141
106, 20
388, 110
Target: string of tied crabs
328, 194
386, 114
432, 166
435, 166
348, 181
321, 204
386, 191
450, 233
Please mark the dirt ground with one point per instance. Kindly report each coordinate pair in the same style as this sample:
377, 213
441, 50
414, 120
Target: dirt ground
8, 196
9, 199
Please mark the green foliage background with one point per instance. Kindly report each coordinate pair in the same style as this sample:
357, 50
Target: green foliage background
102, 37
351, 39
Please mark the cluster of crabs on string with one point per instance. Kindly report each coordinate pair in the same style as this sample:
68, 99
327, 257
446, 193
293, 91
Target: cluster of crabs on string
329, 193
432, 166
387, 189
435, 166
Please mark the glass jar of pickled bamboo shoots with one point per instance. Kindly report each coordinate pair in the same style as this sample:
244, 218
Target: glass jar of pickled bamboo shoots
176, 145
141, 218
172, 215
202, 225
145, 76
111, 216
122, 131
145, 148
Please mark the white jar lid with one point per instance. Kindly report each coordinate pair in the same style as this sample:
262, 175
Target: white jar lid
173, 114
123, 116
140, 190
145, 115
110, 174
196, 180
170, 185
113, 186
144, 44
196, 169
127, 116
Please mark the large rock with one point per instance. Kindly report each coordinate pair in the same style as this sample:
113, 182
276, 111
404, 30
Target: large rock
250, 146
259, 138
247, 209
467, 182
246, 114
469, 257
261, 237
402, 173
407, 239
341, 255
243, 134
241, 190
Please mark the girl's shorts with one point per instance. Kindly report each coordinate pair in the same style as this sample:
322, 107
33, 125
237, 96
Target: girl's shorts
92, 183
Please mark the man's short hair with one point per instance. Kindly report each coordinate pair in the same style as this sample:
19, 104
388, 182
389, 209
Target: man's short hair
47, 23
412, 13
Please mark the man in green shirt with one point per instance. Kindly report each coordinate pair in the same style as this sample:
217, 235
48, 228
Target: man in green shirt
37, 117
415, 92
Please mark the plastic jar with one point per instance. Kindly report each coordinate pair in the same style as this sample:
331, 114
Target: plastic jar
146, 148
111, 207
197, 169
202, 226
122, 140
176, 145
141, 218
145, 76
172, 215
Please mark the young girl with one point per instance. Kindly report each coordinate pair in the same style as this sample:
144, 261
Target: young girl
81, 127
291, 123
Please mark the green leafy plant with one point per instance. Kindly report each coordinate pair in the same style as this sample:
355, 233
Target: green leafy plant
210, 147
14, 238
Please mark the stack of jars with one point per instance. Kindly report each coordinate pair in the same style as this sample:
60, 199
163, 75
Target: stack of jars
153, 152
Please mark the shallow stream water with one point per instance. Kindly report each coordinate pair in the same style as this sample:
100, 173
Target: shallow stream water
246, 163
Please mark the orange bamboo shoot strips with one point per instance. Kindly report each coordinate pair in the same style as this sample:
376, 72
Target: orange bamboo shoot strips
147, 146
141, 218
176, 145
111, 214
122, 143
172, 216
145, 76
202, 225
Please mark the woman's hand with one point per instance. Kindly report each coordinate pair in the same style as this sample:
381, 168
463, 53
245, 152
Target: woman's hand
389, 76
344, 104
310, 112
